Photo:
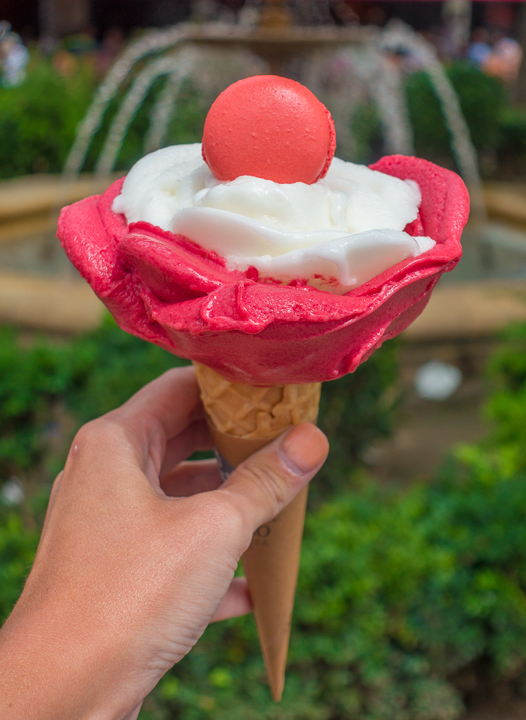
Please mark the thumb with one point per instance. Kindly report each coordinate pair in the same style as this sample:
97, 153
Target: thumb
267, 481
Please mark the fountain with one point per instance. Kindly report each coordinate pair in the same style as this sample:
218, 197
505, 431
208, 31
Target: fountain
346, 67
343, 66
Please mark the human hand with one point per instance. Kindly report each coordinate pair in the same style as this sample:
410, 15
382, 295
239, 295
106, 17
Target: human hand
138, 554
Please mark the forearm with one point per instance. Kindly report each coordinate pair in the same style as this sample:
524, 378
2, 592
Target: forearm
49, 671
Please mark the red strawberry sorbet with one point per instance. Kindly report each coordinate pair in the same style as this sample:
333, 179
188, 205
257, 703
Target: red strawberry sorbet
167, 290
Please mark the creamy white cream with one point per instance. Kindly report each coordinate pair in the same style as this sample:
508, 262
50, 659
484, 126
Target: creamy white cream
338, 232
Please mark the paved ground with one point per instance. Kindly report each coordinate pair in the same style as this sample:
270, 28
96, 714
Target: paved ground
425, 432
427, 429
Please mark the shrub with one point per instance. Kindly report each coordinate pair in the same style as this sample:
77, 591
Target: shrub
367, 133
48, 389
399, 591
482, 99
506, 408
93, 374
356, 411
186, 125
512, 147
31, 380
38, 119
84, 378
18, 544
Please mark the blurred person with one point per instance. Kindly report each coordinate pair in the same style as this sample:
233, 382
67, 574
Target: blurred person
456, 27
479, 48
505, 57
14, 57
138, 554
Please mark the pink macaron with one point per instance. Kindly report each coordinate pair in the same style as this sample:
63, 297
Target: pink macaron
269, 127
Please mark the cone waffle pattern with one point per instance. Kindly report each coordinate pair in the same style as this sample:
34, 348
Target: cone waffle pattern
250, 412
243, 419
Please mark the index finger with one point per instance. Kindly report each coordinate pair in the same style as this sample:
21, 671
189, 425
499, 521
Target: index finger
167, 405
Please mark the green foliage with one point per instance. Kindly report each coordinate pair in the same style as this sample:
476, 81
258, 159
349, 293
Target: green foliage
17, 550
399, 591
31, 379
38, 119
95, 373
512, 149
482, 100
186, 126
48, 389
85, 377
507, 406
367, 133
355, 411
107, 366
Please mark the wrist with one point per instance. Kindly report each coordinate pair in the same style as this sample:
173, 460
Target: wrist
50, 670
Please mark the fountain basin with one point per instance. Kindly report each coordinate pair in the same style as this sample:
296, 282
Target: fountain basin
28, 204
39, 288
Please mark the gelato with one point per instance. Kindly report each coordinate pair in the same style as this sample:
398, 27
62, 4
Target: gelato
334, 234
169, 290
273, 268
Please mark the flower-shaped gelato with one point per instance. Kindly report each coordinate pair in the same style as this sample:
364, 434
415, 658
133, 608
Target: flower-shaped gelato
334, 234
169, 290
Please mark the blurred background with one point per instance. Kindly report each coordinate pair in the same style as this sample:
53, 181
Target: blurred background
411, 601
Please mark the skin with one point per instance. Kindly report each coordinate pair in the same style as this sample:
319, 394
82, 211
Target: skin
138, 554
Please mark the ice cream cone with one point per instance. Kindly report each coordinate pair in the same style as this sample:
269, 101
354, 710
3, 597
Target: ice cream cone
243, 419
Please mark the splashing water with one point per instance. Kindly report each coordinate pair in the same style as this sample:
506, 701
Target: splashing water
154, 41
399, 36
342, 70
129, 107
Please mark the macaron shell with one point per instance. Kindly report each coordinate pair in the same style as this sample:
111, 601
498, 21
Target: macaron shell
269, 127
332, 146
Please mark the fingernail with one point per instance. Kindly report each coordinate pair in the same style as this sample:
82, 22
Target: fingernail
304, 448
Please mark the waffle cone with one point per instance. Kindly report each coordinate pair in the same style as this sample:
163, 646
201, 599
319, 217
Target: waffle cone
243, 419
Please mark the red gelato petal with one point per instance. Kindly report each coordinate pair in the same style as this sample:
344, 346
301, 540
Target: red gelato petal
167, 290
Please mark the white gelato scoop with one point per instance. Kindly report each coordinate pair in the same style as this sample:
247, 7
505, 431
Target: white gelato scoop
336, 233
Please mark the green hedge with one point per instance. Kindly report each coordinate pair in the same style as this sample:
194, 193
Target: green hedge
483, 102
400, 591
47, 383
48, 389
397, 593
497, 130
38, 121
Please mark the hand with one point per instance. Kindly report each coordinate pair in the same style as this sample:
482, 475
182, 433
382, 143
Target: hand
138, 555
